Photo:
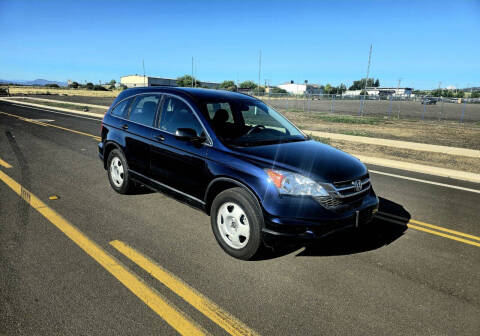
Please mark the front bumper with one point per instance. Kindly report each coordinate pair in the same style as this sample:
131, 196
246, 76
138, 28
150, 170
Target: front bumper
324, 223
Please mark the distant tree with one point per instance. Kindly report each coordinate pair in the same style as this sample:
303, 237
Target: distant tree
73, 85
360, 84
52, 85
341, 88
89, 86
460, 94
377, 83
112, 82
475, 94
99, 88
248, 85
187, 80
228, 85
277, 90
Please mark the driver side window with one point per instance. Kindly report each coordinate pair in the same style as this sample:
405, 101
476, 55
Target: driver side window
176, 114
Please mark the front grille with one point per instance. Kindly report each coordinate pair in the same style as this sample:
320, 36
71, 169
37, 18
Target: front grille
347, 188
343, 195
328, 201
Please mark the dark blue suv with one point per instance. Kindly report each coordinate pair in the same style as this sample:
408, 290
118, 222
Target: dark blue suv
257, 175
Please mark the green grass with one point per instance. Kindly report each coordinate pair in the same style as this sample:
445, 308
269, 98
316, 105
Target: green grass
347, 119
326, 141
62, 105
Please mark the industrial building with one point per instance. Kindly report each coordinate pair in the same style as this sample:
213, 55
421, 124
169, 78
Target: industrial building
138, 81
299, 89
382, 91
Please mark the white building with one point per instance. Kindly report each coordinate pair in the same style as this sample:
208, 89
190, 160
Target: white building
299, 89
138, 81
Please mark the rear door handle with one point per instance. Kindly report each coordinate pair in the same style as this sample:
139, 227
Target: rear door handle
125, 126
159, 137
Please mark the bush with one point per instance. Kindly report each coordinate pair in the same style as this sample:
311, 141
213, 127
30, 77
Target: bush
99, 88
250, 85
52, 85
89, 86
275, 89
73, 85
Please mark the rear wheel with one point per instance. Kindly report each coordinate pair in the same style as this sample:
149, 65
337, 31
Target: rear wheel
237, 220
118, 172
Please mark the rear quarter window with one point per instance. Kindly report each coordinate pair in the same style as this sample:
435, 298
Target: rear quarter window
121, 109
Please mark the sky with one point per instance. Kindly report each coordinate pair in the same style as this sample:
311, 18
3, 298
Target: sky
422, 43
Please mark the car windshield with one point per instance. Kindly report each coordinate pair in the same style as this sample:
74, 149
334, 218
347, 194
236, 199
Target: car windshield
249, 122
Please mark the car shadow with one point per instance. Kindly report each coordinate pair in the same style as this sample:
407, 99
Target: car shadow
141, 189
388, 225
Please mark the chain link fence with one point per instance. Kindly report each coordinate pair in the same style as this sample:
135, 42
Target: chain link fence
391, 106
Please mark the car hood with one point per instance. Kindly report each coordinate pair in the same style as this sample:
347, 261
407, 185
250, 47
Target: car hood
309, 158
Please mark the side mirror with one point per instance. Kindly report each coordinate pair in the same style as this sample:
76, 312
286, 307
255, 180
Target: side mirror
188, 134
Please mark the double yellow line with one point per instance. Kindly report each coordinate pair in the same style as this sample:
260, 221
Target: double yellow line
439, 231
152, 298
432, 229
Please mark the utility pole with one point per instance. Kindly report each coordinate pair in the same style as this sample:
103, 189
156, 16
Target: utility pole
259, 69
396, 93
143, 65
366, 79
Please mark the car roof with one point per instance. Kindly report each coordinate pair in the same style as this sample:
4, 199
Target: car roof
194, 93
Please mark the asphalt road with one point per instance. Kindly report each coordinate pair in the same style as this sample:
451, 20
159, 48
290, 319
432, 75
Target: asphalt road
386, 279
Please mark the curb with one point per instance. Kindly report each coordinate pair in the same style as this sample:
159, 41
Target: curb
91, 114
419, 168
103, 107
399, 144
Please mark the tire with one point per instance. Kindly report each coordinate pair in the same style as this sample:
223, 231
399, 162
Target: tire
119, 178
237, 221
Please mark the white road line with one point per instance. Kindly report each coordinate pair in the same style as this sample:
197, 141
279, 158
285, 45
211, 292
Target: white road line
57, 112
426, 181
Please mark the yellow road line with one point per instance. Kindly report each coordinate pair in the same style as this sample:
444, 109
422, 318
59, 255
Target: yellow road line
175, 318
228, 322
5, 164
458, 233
466, 241
51, 125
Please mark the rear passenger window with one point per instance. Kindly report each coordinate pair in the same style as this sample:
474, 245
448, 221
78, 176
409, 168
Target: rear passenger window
144, 108
121, 109
176, 114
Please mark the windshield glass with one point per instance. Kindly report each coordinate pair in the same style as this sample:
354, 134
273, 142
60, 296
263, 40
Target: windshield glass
249, 122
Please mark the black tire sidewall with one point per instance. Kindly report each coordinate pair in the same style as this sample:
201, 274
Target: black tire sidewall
254, 214
125, 187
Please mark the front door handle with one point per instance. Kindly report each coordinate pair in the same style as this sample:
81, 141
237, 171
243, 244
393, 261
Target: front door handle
159, 137
125, 126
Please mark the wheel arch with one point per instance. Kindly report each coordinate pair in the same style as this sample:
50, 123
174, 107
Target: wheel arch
219, 184
109, 146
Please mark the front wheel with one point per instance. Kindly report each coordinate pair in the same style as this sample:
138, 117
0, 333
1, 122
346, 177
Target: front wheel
237, 220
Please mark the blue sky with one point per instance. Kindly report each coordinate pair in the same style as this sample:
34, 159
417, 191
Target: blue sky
422, 42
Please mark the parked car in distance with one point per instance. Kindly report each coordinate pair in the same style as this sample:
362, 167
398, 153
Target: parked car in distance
429, 101
258, 176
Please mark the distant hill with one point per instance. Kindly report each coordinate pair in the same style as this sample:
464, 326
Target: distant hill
39, 82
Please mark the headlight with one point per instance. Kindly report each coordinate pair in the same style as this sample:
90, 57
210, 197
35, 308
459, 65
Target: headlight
294, 184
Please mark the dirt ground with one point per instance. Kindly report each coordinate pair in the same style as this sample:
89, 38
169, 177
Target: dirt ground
406, 155
381, 108
446, 133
